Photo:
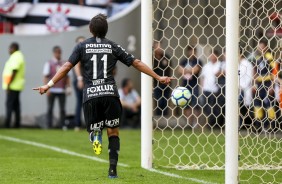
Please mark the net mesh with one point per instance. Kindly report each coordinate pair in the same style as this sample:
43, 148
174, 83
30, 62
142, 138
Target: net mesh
189, 44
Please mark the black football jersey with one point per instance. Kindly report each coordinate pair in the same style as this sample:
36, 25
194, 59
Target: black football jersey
98, 58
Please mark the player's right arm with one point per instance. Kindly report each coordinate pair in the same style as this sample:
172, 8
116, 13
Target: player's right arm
62, 72
129, 59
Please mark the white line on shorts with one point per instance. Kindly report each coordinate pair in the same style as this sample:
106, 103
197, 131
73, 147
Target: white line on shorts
53, 148
178, 176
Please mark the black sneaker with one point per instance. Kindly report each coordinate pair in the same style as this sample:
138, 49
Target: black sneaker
112, 173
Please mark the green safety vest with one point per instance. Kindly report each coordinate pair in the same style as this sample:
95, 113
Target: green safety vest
15, 62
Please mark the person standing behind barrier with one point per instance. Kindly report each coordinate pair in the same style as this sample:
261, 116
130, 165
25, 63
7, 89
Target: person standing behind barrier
221, 81
78, 89
264, 93
161, 91
190, 68
13, 84
59, 90
246, 74
211, 89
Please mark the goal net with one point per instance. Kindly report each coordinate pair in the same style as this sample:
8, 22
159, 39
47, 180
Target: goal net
189, 44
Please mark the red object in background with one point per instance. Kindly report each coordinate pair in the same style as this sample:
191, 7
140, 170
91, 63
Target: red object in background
276, 19
6, 27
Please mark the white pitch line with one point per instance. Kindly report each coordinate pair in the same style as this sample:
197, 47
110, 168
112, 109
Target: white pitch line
53, 148
181, 177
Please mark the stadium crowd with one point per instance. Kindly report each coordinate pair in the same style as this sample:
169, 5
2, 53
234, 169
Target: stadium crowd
259, 87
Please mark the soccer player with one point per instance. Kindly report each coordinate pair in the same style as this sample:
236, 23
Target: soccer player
102, 107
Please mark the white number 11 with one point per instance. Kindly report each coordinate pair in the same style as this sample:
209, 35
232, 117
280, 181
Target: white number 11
94, 59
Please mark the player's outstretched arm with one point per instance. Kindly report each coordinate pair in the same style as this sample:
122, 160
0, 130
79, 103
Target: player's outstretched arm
58, 76
142, 67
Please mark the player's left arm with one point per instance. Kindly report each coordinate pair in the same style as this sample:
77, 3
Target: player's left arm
142, 67
62, 72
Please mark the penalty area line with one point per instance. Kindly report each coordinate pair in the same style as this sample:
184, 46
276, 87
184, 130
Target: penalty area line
180, 177
56, 149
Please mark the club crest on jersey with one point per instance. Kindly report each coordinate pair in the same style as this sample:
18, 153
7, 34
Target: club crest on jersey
7, 6
57, 21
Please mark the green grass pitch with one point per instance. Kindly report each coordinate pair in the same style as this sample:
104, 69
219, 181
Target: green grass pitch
22, 163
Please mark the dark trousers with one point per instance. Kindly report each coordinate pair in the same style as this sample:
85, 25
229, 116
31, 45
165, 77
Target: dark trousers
127, 115
211, 108
161, 96
62, 101
13, 105
78, 108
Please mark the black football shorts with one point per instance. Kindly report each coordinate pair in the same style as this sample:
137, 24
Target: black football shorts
102, 112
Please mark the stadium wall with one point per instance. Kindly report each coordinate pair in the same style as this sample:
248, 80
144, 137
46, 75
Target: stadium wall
124, 28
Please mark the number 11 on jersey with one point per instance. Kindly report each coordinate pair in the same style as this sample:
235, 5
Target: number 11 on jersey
104, 59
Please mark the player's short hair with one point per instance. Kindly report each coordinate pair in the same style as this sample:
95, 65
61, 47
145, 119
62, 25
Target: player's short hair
55, 48
15, 46
99, 26
125, 82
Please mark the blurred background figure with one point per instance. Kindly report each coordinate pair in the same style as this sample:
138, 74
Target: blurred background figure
162, 67
221, 81
210, 88
277, 72
78, 89
131, 103
13, 83
190, 68
246, 73
264, 92
59, 90
119, 5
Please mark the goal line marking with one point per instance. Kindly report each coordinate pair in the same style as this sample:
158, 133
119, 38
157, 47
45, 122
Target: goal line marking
53, 148
64, 151
181, 177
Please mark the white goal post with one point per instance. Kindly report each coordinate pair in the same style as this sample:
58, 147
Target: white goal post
146, 86
232, 86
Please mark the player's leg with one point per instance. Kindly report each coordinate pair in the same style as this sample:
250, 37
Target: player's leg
17, 109
94, 119
113, 110
50, 101
114, 147
9, 108
62, 102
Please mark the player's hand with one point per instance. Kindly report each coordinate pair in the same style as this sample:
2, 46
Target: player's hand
80, 84
42, 89
165, 80
68, 91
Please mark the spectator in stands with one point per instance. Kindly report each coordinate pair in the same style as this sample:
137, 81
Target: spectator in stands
190, 68
98, 3
13, 83
210, 88
59, 90
131, 103
161, 67
119, 5
264, 93
246, 73
78, 89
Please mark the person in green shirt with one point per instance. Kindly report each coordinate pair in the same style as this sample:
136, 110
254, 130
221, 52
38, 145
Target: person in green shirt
13, 83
